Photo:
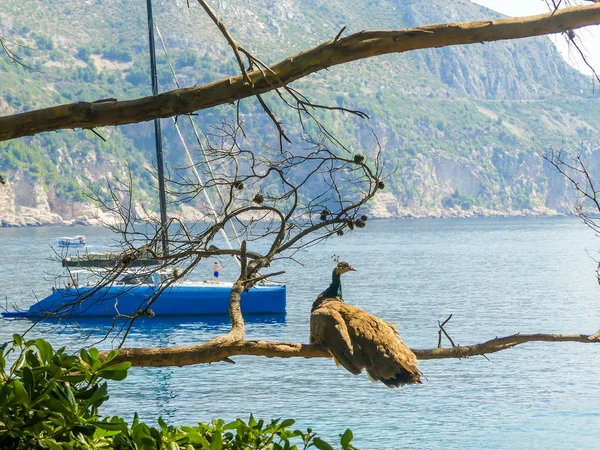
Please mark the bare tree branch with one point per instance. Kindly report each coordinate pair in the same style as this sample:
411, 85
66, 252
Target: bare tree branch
12, 56
574, 170
360, 45
266, 197
209, 352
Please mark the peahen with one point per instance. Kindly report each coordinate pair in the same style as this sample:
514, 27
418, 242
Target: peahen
358, 340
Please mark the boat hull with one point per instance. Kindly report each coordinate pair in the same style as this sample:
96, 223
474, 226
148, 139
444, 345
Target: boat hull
198, 299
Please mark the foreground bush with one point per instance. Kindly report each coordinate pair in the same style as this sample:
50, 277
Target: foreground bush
51, 400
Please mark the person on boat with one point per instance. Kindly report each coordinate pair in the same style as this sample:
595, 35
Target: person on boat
216, 269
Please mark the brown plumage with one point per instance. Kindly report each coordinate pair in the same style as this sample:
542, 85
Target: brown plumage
358, 340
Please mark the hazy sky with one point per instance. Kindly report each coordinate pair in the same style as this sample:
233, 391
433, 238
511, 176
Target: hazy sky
590, 36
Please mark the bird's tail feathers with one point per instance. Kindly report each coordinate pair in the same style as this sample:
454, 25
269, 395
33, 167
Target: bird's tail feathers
400, 378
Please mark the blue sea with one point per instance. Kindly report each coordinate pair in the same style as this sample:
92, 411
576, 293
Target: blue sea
496, 276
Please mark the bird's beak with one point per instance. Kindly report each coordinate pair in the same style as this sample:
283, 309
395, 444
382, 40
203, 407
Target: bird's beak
351, 269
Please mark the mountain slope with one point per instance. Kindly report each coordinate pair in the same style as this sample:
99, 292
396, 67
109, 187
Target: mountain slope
461, 125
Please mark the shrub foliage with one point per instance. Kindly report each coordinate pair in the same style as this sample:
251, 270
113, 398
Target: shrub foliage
51, 400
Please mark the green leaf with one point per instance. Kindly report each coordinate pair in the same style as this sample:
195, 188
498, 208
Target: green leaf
195, 437
74, 379
110, 426
142, 434
155, 434
99, 396
86, 430
321, 444
110, 356
218, 423
4, 391
116, 372
68, 391
233, 425
20, 392
287, 423
147, 442
64, 395
116, 375
346, 438
57, 405
216, 443
32, 359
28, 379
125, 365
3, 357
18, 340
45, 349
251, 421
86, 357
51, 444
162, 424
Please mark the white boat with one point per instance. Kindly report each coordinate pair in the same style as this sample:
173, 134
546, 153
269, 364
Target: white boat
70, 241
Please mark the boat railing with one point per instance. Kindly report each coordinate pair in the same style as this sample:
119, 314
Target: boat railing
107, 260
95, 276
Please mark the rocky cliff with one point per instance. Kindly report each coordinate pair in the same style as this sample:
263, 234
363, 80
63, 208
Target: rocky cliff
27, 202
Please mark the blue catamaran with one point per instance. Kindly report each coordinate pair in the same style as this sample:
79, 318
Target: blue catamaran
124, 297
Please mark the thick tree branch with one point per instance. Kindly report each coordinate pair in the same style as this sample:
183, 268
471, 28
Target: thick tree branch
354, 47
209, 352
238, 327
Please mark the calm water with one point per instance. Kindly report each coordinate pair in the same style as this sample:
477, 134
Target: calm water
496, 276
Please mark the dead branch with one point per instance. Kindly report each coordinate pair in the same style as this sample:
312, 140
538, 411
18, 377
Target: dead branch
576, 173
354, 47
441, 326
12, 56
209, 352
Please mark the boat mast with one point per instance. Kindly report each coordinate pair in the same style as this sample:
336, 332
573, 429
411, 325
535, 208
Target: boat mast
158, 135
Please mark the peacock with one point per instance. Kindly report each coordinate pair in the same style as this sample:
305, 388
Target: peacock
358, 340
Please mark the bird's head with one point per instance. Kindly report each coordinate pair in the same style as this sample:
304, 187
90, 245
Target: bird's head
343, 267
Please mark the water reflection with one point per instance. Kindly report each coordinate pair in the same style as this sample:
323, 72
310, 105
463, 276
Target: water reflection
145, 331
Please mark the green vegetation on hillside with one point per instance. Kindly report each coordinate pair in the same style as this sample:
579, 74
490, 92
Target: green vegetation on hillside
474, 113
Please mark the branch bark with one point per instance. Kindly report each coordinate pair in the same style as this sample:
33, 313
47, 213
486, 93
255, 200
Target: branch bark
361, 45
210, 352
238, 327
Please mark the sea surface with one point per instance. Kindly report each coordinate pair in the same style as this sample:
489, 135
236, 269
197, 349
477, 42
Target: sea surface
495, 276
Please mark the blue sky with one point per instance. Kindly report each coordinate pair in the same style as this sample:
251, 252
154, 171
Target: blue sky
590, 36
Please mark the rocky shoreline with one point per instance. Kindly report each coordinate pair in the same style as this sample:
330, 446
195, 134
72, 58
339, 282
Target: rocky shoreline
85, 214
26, 204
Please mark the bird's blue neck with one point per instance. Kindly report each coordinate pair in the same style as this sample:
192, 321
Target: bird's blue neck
334, 291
